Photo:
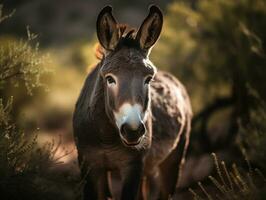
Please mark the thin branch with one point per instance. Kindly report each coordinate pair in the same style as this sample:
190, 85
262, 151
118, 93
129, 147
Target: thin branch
10, 76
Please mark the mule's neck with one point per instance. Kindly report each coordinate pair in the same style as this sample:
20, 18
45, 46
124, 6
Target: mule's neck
107, 131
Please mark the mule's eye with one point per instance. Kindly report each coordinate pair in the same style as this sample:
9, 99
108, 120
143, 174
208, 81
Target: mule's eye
148, 80
110, 80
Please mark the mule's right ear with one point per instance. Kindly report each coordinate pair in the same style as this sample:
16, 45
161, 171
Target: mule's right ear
107, 31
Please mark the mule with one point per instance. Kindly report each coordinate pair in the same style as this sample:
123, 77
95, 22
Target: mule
131, 117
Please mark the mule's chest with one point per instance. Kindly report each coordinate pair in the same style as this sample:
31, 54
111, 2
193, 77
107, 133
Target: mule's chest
111, 158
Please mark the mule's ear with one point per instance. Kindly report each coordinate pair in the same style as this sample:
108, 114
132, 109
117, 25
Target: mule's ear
150, 29
107, 30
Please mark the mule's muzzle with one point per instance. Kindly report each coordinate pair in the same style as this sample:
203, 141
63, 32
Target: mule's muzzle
132, 136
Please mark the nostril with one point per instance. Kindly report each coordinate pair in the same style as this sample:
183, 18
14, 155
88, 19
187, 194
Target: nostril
123, 129
141, 129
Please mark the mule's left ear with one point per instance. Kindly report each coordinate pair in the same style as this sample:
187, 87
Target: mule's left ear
150, 29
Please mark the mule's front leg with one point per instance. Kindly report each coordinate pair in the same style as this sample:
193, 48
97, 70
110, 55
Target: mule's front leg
132, 175
96, 186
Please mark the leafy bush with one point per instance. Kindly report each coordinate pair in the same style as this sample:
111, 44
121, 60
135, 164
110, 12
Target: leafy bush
20, 62
27, 170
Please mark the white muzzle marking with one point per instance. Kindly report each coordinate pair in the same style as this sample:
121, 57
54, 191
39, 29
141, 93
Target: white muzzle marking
130, 114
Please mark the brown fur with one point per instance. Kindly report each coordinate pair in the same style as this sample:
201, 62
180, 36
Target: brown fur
157, 161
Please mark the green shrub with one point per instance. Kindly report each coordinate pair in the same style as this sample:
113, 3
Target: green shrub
27, 170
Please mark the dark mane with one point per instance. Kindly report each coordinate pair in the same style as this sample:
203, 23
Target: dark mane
127, 37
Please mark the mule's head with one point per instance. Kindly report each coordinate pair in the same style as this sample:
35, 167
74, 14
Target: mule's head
127, 72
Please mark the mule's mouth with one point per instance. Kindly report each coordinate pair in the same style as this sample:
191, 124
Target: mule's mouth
131, 144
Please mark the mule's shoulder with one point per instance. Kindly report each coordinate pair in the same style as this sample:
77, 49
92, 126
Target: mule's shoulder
169, 94
167, 78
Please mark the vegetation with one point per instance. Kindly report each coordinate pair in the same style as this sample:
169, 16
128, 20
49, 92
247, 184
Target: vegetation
232, 184
26, 169
19, 61
217, 48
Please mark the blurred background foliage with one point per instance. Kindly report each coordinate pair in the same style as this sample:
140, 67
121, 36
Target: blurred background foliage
216, 48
